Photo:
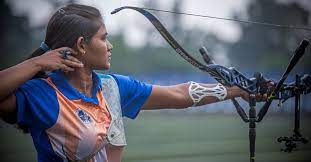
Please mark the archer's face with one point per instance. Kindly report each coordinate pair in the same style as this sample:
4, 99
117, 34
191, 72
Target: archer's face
99, 50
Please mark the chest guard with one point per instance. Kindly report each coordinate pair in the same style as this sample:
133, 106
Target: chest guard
110, 92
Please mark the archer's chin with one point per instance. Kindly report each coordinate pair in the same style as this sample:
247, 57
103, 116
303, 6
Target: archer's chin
106, 67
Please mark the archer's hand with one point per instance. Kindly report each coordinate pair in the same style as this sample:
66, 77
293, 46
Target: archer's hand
260, 97
54, 60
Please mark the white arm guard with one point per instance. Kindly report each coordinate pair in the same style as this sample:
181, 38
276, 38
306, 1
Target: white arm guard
197, 92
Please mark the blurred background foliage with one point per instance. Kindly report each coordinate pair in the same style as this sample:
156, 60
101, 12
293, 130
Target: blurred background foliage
172, 135
260, 48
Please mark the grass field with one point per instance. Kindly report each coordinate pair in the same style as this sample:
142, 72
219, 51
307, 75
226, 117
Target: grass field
185, 137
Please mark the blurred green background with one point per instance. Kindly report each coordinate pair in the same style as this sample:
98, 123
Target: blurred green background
214, 133
259, 48
186, 137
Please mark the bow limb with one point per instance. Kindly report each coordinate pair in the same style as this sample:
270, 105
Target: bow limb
173, 43
166, 35
224, 75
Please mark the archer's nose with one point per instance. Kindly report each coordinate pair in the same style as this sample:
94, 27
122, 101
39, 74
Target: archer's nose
110, 46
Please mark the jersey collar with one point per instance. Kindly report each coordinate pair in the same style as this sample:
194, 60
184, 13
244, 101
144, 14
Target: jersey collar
59, 79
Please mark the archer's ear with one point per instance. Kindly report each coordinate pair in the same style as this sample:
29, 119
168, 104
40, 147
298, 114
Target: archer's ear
81, 45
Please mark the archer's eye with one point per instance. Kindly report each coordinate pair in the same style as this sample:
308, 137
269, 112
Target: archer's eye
104, 38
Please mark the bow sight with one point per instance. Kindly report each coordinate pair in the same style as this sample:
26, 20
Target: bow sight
257, 84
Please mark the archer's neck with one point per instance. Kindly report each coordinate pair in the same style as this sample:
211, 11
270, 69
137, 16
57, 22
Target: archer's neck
81, 79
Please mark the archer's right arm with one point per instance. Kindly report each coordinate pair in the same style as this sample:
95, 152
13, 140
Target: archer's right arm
13, 77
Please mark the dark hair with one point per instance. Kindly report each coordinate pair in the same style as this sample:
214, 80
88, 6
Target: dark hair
67, 25
64, 28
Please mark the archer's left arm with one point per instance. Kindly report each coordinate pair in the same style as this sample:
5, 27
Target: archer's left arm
177, 96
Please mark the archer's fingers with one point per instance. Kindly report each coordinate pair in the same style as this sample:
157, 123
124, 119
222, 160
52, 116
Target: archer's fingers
265, 97
259, 97
72, 64
71, 58
66, 68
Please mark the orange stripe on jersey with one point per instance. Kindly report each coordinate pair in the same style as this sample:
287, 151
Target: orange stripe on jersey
81, 128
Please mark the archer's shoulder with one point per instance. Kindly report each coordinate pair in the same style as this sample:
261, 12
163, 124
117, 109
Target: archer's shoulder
36, 84
117, 77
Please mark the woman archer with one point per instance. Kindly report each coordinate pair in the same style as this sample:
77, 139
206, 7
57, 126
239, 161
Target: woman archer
75, 114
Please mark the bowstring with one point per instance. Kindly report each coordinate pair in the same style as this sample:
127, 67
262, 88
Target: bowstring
272, 25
